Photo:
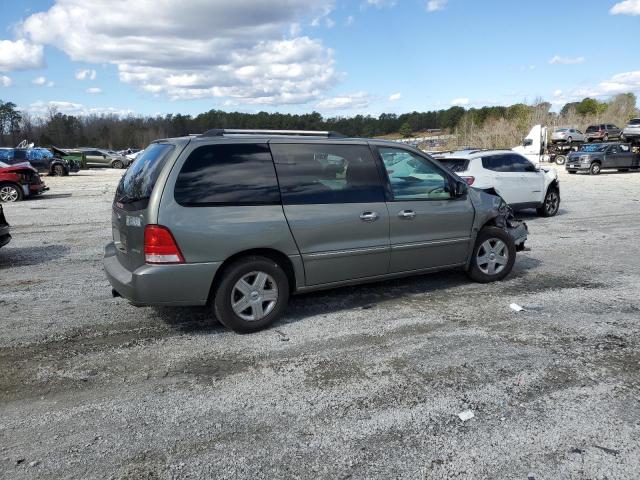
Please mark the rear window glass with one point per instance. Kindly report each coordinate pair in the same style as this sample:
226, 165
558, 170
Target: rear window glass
137, 183
592, 129
241, 174
454, 165
635, 121
496, 163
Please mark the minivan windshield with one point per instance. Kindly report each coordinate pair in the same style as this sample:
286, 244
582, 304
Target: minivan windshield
138, 182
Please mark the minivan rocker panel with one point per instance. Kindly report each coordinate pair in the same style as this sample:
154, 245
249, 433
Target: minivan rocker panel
233, 220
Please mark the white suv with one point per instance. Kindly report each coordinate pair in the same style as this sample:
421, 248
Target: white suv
517, 180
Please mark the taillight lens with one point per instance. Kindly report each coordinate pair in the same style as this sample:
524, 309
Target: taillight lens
160, 246
469, 180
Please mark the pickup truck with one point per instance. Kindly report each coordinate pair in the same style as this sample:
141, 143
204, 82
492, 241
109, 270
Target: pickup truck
593, 158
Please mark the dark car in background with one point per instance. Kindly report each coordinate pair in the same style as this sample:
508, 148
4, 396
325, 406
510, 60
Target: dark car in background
595, 158
42, 159
603, 132
19, 181
5, 236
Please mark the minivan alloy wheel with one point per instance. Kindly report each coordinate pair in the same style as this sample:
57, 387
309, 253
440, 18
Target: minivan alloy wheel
254, 296
552, 202
9, 193
492, 256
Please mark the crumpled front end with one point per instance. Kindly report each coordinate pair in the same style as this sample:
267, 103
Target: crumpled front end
491, 207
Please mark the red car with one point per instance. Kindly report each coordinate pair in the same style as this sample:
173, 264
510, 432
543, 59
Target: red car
19, 181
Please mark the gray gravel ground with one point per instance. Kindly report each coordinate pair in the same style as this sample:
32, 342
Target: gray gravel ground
361, 382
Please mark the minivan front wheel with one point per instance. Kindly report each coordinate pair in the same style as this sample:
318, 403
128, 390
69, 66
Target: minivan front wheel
493, 256
252, 294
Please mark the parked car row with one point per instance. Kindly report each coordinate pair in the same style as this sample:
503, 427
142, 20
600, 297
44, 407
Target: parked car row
42, 159
602, 132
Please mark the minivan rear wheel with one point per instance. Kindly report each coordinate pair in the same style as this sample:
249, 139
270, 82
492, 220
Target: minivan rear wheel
252, 294
493, 256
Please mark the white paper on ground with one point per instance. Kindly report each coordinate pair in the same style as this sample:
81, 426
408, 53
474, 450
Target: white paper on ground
466, 415
516, 307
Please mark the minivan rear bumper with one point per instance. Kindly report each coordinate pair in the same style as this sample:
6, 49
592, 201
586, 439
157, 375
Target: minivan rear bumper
185, 284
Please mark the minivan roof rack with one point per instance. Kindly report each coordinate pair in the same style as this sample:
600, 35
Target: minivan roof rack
219, 132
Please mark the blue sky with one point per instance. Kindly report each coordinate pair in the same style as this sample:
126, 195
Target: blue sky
339, 58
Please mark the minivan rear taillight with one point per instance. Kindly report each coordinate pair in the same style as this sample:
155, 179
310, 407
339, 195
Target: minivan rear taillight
469, 180
160, 246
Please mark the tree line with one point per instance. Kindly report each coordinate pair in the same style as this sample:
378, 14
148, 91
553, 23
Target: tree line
118, 132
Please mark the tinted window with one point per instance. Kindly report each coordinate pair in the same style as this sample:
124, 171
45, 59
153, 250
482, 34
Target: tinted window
20, 155
241, 174
137, 183
516, 163
635, 121
316, 174
592, 128
495, 163
454, 165
414, 177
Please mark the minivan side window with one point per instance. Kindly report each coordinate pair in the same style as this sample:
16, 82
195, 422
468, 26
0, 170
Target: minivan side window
517, 163
321, 174
412, 177
216, 175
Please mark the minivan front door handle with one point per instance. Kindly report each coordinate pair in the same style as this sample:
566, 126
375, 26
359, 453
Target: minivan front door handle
369, 216
407, 214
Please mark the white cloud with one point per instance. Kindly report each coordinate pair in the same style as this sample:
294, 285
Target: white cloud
352, 101
628, 7
395, 96
558, 60
40, 108
627, 82
557, 93
349, 21
381, 3
94, 90
435, 5
86, 74
19, 55
5, 81
459, 102
42, 81
203, 49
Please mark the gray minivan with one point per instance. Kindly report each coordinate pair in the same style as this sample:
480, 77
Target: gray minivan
240, 220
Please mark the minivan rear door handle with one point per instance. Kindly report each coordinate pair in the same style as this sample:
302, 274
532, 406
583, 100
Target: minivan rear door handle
369, 216
407, 214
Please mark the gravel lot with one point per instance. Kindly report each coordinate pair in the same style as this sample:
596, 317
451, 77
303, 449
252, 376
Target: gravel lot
362, 382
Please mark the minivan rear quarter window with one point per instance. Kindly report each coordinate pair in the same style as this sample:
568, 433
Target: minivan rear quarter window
237, 174
454, 165
137, 183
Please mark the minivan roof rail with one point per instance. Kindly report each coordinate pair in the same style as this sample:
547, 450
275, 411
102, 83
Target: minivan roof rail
219, 132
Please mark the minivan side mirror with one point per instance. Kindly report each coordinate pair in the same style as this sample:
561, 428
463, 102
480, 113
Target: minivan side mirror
460, 189
527, 142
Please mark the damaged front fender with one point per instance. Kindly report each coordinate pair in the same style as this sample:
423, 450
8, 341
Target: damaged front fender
491, 209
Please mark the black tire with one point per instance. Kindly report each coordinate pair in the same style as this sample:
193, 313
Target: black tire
560, 159
117, 164
59, 170
10, 192
479, 274
595, 168
226, 289
572, 171
551, 203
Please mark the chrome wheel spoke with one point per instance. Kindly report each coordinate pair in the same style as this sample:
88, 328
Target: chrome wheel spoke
260, 281
241, 305
257, 310
501, 260
269, 295
492, 256
244, 287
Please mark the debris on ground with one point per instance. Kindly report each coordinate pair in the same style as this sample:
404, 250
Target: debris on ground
610, 451
466, 415
516, 307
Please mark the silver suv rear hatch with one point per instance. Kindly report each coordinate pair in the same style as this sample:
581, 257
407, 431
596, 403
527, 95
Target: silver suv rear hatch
130, 216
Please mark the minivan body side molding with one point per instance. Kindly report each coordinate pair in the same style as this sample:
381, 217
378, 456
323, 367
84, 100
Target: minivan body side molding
345, 253
409, 246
